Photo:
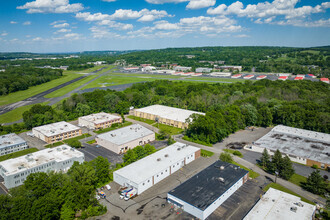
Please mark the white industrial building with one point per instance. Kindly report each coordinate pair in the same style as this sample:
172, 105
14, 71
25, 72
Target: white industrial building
61, 158
11, 143
98, 121
123, 139
166, 115
278, 205
301, 146
182, 68
150, 170
203, 193
55, 132
203, 70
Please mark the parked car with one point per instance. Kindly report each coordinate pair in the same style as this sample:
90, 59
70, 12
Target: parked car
108, 187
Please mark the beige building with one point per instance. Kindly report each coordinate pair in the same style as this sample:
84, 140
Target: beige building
166, 115
99, 121
55, 132
123, 139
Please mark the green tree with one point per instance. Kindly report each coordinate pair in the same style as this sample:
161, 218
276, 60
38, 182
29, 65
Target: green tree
315, 183
101, 166
265, 159
226, 157
277, 160
149, 149
130, 157
286, 168
74, 143
67, 213
265, 117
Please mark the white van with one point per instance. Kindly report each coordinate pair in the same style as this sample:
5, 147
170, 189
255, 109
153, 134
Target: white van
108, 187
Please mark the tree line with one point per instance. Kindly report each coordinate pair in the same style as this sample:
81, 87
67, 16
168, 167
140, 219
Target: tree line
58, 195
14, 79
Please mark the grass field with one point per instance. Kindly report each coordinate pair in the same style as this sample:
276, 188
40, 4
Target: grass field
206, 153
148, 121
34, 90
16, 114
282, 188
125, 78
91, 142
252, 174
297, 179
197, 142
18, 154
75, 85
168, 129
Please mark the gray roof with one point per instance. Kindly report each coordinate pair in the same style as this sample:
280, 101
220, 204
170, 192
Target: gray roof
10, 140
298, 142
126, 134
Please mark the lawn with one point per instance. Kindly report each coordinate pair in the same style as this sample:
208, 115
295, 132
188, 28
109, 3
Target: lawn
91, 142
18, 154
196, 141
297, 179
75, 85
252, 174
127, 123
282, 188
168, 129
16, 114
234, 152
206, 153
67, 141
125, 78
148, 121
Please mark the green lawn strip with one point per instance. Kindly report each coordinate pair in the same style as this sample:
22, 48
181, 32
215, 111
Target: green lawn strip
252, 174
235, 152
16, 114
67, 141
69, 88
206, 153
34, 90
297, 179
18, 154
127, 123
168, 129
283, 189
91, 142
196, 141
148, 121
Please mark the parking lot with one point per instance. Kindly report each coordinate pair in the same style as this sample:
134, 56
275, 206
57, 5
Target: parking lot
152, 204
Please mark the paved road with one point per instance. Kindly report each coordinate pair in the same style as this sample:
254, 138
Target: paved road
255, 168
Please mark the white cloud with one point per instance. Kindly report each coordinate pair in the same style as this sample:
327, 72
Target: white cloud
116, 25
27, 23
109, 0
3, 34
51, 6
241, 36
13, 22
165, 1
165, 25
284, 11
63, 30
103, 33
197, 4
62, 25
87, 16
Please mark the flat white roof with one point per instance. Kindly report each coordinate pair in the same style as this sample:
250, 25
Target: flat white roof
149, 166
171, 113
10, 140
298, 142
278, 205
126, 134
58, 154
99, 118
56, 128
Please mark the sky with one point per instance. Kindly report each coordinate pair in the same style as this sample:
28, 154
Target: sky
46, 26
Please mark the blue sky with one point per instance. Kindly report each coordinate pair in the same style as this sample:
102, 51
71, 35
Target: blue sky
81, 25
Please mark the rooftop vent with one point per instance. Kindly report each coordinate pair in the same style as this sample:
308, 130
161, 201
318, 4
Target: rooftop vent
299, 204
293, 209
221, 179
222, 168
166, 155
65, 125
158, 159
179, 148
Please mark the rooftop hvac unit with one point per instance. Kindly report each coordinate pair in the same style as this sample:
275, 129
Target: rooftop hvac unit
179, 148
222, 168
158, 159
166, 155
221, 179
293, 209
65, 125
